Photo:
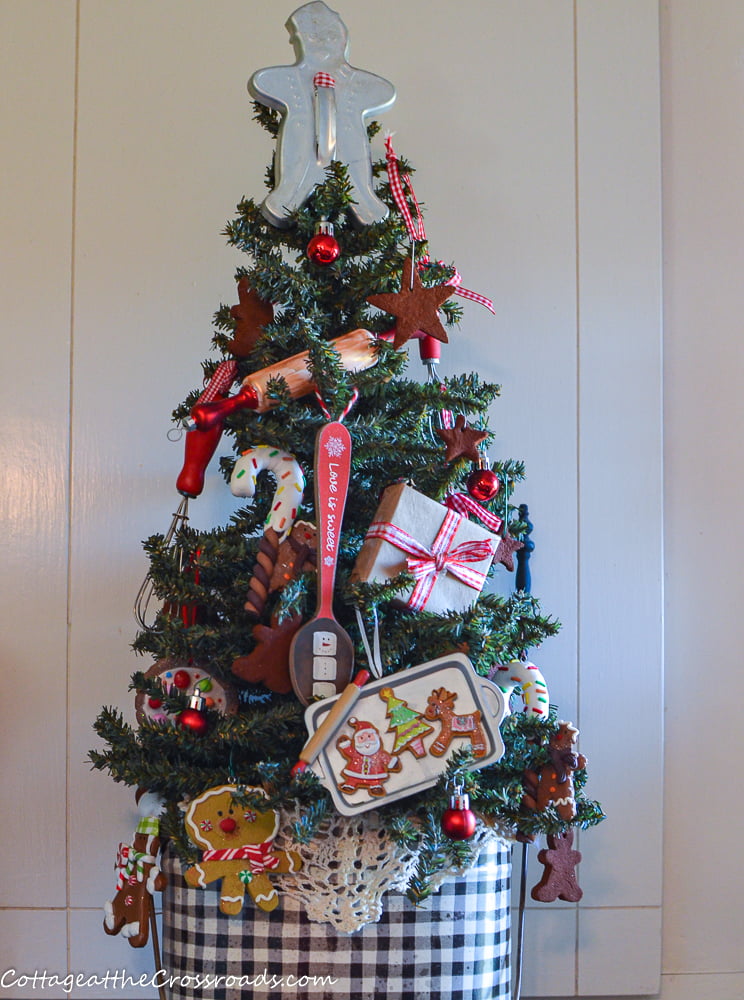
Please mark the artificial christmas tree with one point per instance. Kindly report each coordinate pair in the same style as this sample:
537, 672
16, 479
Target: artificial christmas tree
283, 601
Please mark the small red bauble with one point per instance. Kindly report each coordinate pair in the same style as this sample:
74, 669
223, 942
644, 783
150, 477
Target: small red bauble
323, 248
194, 717
193, 720
181, 679
459, 822
483, 484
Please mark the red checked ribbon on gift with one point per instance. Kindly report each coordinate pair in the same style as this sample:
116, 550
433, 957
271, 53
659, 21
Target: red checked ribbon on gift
464, 504
427, 564
258, 856
415, 228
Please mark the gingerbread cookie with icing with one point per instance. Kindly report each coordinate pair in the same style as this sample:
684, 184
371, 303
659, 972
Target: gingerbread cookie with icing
237, 851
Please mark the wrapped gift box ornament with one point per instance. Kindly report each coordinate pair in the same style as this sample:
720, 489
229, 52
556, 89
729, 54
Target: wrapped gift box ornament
448, 554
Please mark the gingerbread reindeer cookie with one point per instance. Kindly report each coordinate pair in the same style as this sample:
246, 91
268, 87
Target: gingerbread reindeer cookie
323, 102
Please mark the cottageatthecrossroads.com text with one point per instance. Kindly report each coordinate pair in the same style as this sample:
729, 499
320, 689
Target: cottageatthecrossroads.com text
121, 979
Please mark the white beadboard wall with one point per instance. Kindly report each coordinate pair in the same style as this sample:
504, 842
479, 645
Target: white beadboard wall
535, 127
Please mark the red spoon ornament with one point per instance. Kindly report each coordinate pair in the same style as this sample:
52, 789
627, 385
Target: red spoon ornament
321, 656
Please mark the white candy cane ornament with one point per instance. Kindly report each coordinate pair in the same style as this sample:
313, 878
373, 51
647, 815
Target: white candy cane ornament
524, 675
290, 483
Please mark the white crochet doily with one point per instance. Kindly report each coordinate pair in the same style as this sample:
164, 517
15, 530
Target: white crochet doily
349, 866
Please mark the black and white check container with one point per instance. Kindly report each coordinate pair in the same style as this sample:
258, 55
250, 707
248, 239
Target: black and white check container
454, 946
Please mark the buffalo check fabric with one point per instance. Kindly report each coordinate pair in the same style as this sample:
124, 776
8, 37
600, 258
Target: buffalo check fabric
454, 946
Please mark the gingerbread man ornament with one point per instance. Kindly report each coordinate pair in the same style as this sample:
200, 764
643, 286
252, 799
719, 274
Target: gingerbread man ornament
237, 848
324, 103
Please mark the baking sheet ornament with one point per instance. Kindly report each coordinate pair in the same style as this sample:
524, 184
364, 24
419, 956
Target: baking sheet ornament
403, 729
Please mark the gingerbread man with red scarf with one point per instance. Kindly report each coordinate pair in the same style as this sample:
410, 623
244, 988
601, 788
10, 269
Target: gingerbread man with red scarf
237, 848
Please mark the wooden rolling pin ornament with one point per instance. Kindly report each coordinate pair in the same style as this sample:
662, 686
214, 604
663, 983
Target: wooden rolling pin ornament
331, 723
357, 351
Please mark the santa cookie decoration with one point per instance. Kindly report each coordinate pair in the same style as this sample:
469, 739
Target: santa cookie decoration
430, 710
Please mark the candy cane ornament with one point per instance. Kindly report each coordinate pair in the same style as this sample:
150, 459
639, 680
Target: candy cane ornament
524, 675
290, 484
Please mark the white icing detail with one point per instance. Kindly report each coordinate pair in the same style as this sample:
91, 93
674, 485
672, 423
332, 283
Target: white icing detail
154, 872
202, 876
261, 898
131, 930
108, 909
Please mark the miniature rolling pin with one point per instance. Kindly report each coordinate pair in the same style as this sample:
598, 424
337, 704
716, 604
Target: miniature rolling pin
357, 351
332, 722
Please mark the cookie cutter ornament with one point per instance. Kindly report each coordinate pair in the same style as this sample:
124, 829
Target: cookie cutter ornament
324, 103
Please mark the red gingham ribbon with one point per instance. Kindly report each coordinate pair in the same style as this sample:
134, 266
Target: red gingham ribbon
464, 504
258, 856
441, 557
415, 229
220, 382
455, 281
327, 413
324, 80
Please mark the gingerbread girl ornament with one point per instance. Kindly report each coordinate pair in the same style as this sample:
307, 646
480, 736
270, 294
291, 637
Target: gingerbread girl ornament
324, 102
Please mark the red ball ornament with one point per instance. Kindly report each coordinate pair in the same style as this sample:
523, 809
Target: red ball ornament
194, 717
459, 821
182, 679
483, 484
323, 248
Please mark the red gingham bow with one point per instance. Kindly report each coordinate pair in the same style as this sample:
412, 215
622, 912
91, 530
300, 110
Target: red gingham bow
324, 80
441, 557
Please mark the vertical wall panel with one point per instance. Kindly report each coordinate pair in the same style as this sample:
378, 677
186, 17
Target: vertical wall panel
36, 125
703, 74
620, 484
